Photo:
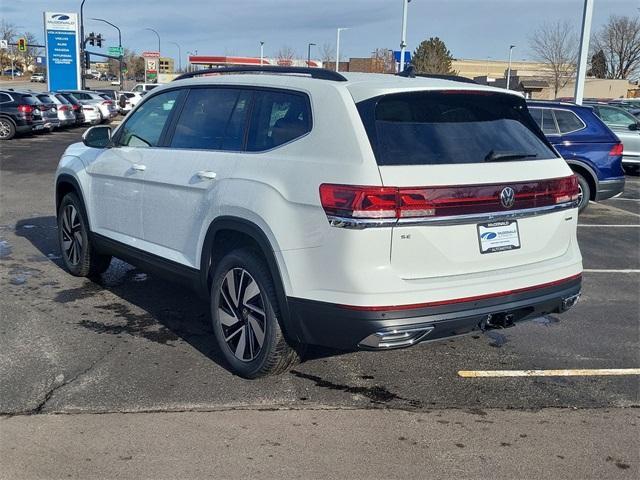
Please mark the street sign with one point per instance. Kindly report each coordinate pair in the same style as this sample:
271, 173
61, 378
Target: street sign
407, 56
62, 51
116, 51
151, 54
41, 60
4, 44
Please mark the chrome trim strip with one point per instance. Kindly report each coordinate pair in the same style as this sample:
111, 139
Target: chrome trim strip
362, 223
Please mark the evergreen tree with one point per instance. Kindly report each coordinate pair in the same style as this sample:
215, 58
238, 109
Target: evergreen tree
432, 56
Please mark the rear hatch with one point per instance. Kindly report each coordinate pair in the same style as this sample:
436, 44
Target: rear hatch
476, 182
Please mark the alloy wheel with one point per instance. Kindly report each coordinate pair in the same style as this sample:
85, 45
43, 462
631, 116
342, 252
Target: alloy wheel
5, 129
242, 314
71, 235
580, 195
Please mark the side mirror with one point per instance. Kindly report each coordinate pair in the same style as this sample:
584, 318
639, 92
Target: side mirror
97, 137
633, 126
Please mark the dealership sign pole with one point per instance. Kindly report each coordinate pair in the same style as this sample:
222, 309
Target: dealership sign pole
62, 47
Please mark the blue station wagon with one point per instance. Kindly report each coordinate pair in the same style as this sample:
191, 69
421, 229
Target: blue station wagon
590, 148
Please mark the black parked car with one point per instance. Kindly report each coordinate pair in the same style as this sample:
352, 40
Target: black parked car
75, 105
19, 113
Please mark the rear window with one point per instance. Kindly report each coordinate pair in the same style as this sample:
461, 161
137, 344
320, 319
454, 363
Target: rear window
29, 100
436, 128
44, 98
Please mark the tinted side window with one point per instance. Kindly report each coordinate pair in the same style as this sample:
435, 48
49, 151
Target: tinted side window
536, 114
568, 121
144, 127
82, 96
4, 98
208, 116
616, 116
278, 118
548, 124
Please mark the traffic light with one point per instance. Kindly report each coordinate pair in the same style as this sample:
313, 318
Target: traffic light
99, 41
92, 39
22, 44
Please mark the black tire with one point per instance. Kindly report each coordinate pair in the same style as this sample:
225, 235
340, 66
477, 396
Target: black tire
238, 319
78, 255
7, 129
585, 192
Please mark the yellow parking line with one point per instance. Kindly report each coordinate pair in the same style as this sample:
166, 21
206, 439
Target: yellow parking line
549, 373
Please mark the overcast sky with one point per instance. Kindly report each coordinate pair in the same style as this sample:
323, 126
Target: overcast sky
470, 28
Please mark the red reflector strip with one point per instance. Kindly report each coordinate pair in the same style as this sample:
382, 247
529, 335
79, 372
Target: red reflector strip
460, 300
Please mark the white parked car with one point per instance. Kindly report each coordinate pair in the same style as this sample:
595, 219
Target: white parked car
145, 87
64, 110
92, 114
128, 100
106, 106
350, 211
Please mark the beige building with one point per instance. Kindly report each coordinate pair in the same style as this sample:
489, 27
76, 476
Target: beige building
165, 65
497, 68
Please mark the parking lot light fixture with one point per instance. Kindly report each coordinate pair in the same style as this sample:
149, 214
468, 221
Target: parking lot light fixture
338, 48
179, 55
511, 47
158, 35
309, 53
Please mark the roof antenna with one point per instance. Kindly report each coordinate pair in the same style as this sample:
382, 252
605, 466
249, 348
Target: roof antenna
409, 72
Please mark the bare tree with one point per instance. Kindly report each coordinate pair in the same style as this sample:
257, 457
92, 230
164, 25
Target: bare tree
619, 39
556, 45
28, 57
8, 32
285, 56
383, 60
328, 52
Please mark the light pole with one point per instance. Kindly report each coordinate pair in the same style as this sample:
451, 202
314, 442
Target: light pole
195, 52
403, 39
119, 46
158, 35
338, 48
587, 14
511, 47
179, 55
309, 53
261, 53
82, 55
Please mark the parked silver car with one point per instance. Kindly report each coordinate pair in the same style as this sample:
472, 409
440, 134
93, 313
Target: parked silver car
107, 107
626, 127
64, 111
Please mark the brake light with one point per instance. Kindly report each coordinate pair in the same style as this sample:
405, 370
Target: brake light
75, 107
63, 108
616, 150
107, 102
365, 202
25, 108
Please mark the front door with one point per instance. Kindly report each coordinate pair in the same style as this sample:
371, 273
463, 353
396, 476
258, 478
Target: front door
117, 174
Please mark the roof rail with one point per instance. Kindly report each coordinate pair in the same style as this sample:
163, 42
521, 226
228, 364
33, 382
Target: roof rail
410, 72
319, 73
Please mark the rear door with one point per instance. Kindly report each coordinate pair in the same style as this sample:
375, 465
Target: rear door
461, 159
185, 180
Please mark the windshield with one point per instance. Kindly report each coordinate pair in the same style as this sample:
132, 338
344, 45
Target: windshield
451, 127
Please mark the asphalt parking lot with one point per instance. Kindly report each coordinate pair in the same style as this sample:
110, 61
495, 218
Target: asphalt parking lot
135, 343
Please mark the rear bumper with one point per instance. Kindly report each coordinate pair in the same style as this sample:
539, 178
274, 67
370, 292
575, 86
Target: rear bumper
610, 188
630, 160
349, 328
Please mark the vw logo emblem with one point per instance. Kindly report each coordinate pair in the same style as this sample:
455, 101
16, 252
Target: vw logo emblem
507, 197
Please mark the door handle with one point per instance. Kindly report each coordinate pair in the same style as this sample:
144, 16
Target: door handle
206, 175
138, 167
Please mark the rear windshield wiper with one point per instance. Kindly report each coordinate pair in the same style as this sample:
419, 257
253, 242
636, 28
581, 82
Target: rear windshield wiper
494, 156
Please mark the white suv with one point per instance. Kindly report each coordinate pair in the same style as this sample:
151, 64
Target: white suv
356, 211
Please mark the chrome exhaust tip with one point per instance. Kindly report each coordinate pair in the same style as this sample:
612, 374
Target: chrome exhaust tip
395, 338
569, 302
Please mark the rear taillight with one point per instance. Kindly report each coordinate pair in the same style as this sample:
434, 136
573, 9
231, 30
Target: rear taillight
107, 102
88, 107
75, 107
616, 150
25, 108
361, 202
63, 108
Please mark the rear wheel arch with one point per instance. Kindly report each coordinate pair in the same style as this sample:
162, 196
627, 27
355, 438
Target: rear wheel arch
589, 175
229, 233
